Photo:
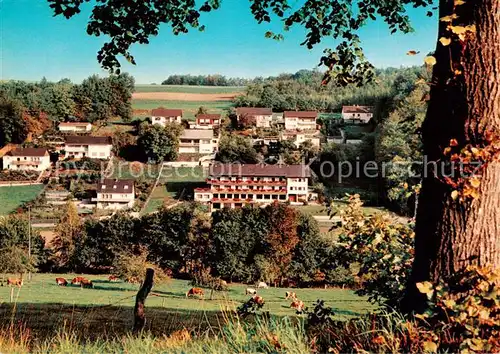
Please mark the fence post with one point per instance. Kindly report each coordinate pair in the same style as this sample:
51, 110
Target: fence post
142, 294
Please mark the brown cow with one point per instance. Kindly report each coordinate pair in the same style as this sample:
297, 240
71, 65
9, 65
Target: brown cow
85, 283
113, 278
298, 305
77, 280
15, 281
195, 291
259, 300
61, 282
290, 295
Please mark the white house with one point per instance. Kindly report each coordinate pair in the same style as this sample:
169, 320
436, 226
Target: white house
198, 141
23, 159
301, 120
115, 194
163, 116
96, 147
357, 114
75, 127
262, 116
298, 138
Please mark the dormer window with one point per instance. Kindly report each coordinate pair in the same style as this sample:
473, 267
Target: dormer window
114, 186
103, 187
125, 187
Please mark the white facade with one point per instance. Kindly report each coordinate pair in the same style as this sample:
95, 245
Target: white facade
357, 114
75, 127
297, 189
89, 146
299, 138
198, 141
263, 121
115, 195
164, 120
297, 123
18, 160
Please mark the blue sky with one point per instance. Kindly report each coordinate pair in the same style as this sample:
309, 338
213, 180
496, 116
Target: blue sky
34, 44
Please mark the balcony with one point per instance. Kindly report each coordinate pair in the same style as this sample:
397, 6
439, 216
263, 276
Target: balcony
249, 191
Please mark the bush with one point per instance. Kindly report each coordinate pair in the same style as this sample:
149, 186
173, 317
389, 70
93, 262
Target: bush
85, 163
133, 266
18, 176
384, 252
205, 280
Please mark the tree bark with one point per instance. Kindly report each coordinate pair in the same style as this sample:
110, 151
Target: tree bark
451, 235
142, 294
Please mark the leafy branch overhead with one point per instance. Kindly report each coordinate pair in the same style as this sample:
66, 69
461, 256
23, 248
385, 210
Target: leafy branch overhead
130, 22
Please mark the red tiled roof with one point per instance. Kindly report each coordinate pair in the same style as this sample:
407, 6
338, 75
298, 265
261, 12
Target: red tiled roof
357, 109
115, 186
88, 140
208, 116
255, 111
28, 152
259, 170
165, 112
301, 114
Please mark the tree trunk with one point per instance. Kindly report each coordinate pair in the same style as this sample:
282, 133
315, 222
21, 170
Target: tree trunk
451, 234
142, 294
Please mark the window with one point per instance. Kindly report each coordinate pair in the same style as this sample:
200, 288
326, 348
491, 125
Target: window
101, 154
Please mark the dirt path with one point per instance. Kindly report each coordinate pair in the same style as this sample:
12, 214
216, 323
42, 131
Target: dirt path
180, 96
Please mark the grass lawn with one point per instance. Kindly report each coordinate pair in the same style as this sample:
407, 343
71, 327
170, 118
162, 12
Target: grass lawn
12, 197
188, 89
189, 107
157, 199
134, 170
107, 309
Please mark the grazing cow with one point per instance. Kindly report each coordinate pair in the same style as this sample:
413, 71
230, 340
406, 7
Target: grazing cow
77, 280
113, 278
195, 291
262, 285
250, 291
61, 282
259, 300
15, 281
298, 305
290, 295
85, 283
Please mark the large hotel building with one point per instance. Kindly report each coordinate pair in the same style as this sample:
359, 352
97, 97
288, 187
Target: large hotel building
235, 185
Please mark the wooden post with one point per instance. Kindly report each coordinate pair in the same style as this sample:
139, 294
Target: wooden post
11, 294
142, 294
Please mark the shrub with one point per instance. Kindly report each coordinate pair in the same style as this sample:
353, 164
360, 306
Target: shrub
464, 312
384, 252
204, 279
85, 163
133, 266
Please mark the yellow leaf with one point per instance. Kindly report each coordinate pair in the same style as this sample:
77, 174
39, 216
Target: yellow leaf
449, 303
475, 182
448, 18
445, 41
430, 60
425, 287
454, 195
459, 2
420, 81
471, 28
458, 29
430, 347
447, 150
458, 72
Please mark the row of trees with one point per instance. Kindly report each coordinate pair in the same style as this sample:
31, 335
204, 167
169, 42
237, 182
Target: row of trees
274, 244
205, 80
27, 107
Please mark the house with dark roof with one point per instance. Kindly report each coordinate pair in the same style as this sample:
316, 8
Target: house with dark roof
236, 185
96, 147
23, 159
162, 116
115, 194
301, 120
357, 114
262, 116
